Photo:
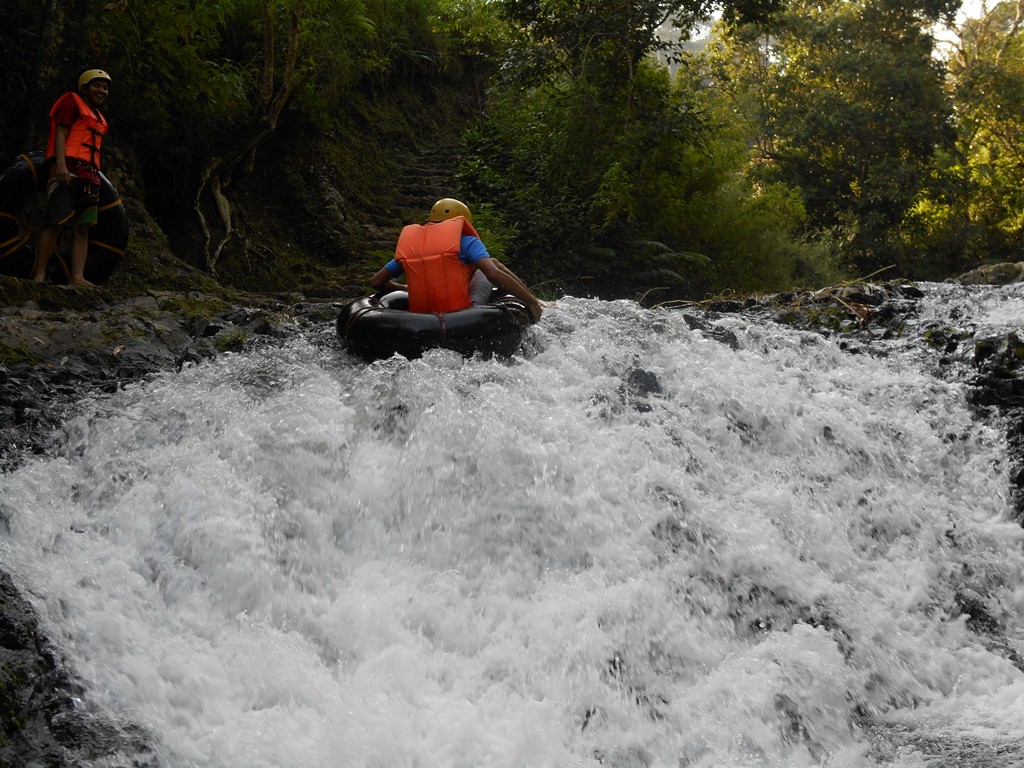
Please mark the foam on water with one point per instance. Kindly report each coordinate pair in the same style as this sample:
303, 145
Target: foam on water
637, 545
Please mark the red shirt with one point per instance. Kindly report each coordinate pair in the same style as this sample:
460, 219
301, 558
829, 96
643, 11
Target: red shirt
65, 112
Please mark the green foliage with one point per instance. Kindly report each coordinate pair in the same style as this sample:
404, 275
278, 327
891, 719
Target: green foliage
616, 181
403, 38
19, 46
937, 234
817, 137
618, 188
231, 339
846, 103
335, 38
190, 76
167, 56
987, 85
16, 354
609, 41
469, 28
495, 230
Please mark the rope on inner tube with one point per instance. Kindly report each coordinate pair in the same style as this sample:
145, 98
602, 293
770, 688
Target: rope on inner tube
357, 315
32, 168
442, 331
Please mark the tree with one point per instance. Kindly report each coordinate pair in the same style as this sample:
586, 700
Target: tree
277, 84
607, 41
849, 108
49, 62
596, 158
43, 49
987, 83
211, 82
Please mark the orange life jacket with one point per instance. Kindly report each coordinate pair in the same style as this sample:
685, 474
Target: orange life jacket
85, 135
438, 280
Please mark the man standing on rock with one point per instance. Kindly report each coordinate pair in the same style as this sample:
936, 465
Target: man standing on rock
77, 129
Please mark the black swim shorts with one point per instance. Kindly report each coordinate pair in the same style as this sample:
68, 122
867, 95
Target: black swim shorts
72, 203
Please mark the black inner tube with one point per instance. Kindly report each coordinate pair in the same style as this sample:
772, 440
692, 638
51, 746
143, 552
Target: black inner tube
22, 206
378, 327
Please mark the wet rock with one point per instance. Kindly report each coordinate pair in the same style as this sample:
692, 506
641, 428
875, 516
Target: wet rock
262, 326
890, 742
862, 293
200, 327
998, 363
42, 719
947, 339
723, 335
875, 310
727, 306
636, 388
993, 274
1000, 355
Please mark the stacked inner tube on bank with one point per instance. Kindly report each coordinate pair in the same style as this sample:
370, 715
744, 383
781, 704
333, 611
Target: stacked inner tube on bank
377, 327
21, 214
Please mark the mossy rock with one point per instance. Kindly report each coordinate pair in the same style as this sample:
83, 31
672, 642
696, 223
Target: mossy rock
15, 292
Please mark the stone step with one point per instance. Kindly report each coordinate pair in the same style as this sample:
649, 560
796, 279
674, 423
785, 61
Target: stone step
425, 177
428, 189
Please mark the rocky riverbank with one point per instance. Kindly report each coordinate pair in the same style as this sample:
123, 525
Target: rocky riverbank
63, 343
59, 344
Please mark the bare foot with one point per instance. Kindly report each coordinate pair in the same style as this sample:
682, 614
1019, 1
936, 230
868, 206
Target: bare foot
39, 278
81, 282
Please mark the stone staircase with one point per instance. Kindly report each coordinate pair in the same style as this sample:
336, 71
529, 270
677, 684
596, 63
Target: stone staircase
426, 177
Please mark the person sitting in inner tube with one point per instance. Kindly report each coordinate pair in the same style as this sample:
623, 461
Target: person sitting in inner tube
447, 266
77, 129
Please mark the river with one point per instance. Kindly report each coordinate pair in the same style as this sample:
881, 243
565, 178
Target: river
638, 544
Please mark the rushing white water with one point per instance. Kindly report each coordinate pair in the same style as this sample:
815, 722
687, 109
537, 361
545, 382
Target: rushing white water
633, 546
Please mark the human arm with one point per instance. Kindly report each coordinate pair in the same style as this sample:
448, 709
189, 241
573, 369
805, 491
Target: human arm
511, 274
60, 139
507, 280
63, 115
384, 281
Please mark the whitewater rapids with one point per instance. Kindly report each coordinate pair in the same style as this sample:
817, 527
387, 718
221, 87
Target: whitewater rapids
637, 544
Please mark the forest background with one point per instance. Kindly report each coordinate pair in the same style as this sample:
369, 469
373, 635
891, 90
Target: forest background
259, 144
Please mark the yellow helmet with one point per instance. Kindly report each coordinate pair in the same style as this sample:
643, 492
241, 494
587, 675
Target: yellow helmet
448, 208
92, 74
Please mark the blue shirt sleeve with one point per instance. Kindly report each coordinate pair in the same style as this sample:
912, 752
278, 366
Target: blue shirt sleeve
473, 249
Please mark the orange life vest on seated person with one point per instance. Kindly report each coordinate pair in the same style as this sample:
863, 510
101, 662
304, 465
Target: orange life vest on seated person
85, 135
438, 280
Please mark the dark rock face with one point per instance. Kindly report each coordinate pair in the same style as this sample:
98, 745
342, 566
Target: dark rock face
43, 720
998, 383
